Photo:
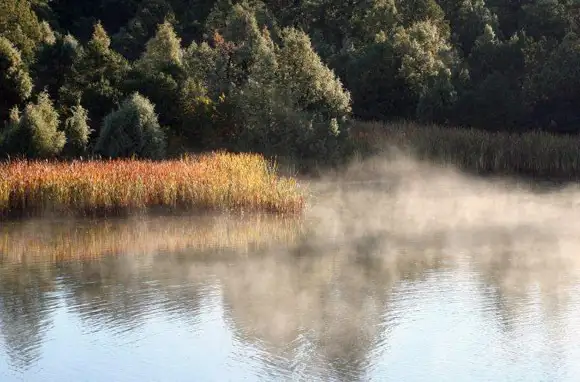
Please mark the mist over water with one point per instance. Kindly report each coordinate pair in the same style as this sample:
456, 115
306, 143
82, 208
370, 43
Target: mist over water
399, 270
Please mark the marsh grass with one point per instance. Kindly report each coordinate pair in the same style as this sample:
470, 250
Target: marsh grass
537, 154
216, 181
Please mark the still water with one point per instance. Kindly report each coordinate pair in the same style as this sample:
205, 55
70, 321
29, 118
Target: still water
365, 287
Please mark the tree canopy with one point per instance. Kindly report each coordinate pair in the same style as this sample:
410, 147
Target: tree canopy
279, 77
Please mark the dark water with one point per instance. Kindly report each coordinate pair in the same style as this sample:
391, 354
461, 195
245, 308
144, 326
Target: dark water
223, 299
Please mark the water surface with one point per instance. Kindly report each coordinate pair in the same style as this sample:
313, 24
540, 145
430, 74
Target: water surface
400, 283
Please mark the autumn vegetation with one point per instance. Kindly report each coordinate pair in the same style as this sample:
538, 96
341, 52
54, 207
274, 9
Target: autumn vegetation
155, 79
218, 181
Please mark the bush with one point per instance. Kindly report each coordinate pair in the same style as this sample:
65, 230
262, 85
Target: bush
132, 130
35, 133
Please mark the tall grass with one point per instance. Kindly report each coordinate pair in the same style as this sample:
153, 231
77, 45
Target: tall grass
532, 153
217, 181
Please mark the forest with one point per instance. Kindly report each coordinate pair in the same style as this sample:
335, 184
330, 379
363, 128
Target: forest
157, 78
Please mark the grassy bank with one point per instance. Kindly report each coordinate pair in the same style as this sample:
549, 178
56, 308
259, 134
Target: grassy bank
217, 181
537, 154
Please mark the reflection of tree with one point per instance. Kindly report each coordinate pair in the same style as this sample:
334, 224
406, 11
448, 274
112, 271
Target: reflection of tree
519, 267
322, 304
25, 306
106, 294
108, 287
318, 306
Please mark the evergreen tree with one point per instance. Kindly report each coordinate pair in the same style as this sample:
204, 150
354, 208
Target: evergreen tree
97, 78
311, 84
15, 81
20, 25
468, 19
159, 74
163, 51
553, 88
133, 36
54, 64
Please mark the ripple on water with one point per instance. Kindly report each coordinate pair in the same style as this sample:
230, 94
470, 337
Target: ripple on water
364, 301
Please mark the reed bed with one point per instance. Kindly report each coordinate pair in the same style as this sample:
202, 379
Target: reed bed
217, 181
538, 154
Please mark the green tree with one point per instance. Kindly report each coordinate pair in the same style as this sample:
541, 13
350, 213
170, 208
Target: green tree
163, 51
425, 53
132, 130
309, 82
373, 18
19, 24
553, 87
77, 131
468, 19
379, 90
413, 11
15, 81
97, 78
35, 133
133, 36
494, 99
545, 18
54, 64
291, 104
191, 16
160, 73
78, 17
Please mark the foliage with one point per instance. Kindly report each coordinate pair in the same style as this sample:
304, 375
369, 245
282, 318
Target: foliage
285, 77
425, 53
77, 131
20, 25
96, 78
132, 36
132, 130
54, 63
308, 80
159, 74
34, 133
15, 81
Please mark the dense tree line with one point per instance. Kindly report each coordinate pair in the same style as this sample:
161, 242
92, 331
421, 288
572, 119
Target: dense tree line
157, 77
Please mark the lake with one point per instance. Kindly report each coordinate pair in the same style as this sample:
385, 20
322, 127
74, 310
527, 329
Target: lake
427, 278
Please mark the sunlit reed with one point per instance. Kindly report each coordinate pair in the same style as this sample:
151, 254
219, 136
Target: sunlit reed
217, 181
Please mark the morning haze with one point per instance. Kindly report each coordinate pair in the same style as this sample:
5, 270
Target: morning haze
395, 262
210, 190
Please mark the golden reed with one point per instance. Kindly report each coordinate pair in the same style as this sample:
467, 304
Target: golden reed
216, 181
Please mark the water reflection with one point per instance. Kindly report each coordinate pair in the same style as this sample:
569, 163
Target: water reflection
26, 301
326, 298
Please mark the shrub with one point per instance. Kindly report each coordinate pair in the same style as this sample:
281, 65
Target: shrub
35, 133
132, 130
